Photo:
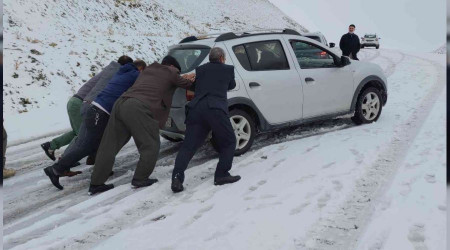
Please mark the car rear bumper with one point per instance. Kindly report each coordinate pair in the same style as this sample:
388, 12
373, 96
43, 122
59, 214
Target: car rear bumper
370, 44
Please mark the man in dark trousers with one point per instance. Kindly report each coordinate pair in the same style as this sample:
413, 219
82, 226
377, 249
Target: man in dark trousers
139, 113
95, 121
350, 44
98, 82
209, 111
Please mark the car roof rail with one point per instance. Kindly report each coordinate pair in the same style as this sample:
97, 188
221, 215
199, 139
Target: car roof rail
233, 35
237, 34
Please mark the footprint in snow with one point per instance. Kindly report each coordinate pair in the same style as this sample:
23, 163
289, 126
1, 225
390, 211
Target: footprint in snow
337, 185
260, 183
416, 236
323, 201
328, 165
430, 178
311, 148
299, 209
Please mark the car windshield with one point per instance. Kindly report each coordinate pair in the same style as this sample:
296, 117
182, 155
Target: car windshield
314, 38
370, 36
190, 58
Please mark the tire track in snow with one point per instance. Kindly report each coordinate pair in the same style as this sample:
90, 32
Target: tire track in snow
349, 221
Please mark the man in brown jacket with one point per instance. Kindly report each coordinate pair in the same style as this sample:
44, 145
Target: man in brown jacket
139, 113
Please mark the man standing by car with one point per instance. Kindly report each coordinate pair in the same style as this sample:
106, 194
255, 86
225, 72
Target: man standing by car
95, 121
139, 113
350, 44
209, 111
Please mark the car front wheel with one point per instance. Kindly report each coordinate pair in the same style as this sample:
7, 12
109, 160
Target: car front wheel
244, 131
368, 106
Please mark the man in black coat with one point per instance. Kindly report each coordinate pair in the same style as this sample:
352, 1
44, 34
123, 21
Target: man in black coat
350, 44
209, 111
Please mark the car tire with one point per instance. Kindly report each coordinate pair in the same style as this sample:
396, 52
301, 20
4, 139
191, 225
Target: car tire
171, 139
366, 112
243, 144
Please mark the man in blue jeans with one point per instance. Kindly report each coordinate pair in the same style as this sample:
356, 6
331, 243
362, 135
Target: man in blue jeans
95, 121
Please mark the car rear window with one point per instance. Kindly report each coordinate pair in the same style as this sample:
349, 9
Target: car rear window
370, 36
190, 58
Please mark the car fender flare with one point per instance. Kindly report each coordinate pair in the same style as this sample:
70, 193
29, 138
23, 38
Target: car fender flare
361, 86
263, 124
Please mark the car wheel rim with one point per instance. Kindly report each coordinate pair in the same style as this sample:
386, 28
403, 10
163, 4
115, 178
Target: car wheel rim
370, 106
242, 130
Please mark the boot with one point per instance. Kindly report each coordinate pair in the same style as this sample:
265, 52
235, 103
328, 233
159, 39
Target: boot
50, 153
95, 189
177, 186
143, 183
54, 178
226, 179
90, 160
8, 172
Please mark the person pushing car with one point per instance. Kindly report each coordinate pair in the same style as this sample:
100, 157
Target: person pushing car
208, 111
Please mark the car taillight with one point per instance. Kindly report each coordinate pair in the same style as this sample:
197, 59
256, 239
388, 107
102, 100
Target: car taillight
189, 95
362, 38
323, 53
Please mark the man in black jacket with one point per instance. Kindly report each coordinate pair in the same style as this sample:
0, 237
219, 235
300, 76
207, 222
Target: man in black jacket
350, 44
209, 111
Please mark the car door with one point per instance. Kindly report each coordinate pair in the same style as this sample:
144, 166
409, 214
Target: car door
269, 76
327, 87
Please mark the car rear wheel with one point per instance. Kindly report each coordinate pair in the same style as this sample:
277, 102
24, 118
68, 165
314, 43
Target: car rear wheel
368, 107
244, 130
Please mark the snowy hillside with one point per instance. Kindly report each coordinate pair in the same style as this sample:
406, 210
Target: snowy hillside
52, 47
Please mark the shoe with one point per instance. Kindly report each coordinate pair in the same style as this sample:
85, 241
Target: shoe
95, 189
143, 183
53, 177
50, 153
7, 172
90, 160
177, 186
226, 180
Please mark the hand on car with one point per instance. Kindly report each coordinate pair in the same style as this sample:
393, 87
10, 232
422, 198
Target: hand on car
190, 77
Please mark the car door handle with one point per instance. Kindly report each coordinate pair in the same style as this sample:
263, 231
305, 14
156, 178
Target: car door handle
254, 85
309, 80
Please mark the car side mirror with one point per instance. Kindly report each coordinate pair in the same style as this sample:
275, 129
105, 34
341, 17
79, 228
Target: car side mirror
332, 45
344, 61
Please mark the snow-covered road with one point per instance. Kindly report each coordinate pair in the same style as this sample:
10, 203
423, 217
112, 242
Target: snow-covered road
330, 185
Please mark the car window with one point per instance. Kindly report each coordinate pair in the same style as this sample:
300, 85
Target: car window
266, 55
241, 54
189, 59
310, 56
370, 36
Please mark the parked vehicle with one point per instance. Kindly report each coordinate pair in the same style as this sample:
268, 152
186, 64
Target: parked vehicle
282, 79
370, 40
318, 36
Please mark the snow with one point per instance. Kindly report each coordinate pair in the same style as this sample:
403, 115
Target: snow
329, 185
326, 185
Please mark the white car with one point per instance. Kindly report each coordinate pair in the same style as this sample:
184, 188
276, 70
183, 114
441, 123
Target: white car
370, 40
282, 79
